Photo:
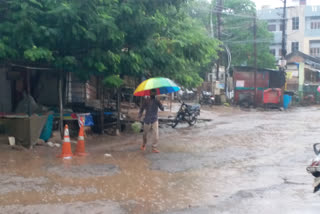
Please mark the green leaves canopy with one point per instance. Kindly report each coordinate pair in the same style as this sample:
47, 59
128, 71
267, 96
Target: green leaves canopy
238, 35
107, 37
237, 30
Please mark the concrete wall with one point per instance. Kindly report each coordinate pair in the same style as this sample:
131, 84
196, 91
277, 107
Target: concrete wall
5, 92
296, 35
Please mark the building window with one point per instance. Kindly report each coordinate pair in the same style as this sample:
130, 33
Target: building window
295, 23
271, 27
314, 48
273, 52
315, 25
315, 52
294, 46
314, 8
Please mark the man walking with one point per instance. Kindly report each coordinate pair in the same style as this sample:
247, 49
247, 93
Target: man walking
151, 106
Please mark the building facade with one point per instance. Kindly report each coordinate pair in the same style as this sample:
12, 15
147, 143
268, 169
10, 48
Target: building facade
302, 29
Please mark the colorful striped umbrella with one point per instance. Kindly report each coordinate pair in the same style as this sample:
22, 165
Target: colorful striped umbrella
161, 84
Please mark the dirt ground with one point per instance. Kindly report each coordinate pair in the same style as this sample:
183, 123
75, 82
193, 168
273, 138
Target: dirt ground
242, 162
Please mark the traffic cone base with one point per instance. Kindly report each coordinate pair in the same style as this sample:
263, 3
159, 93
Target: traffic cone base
66, 152
81, 154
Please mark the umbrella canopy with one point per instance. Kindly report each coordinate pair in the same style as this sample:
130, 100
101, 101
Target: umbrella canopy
161, 84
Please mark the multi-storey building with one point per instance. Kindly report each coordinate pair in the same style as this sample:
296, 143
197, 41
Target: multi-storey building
302, 28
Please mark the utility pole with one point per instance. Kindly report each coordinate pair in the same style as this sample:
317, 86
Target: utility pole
255, 57
61, 103
219, 11
211, 21
284, 51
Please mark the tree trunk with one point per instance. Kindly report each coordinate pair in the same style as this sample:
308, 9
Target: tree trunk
60, 104
102, 108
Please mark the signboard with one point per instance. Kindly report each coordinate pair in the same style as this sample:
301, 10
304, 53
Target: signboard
240, 83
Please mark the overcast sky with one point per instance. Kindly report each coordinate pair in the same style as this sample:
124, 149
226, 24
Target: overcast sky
279, 3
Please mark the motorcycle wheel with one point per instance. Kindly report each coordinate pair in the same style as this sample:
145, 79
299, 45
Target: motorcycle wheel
192, 121
176, 121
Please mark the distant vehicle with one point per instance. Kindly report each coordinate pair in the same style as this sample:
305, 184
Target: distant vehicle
206, 98
187, 94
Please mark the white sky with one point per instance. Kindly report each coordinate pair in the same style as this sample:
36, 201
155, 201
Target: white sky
279, 3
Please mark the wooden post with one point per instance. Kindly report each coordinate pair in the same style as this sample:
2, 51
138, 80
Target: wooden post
102, 107
118, 112
28, 92
171, 101
60, 104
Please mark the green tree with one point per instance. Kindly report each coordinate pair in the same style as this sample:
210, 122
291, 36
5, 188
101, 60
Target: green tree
164, 40
238, 34
110, 38
70, 35
237, 30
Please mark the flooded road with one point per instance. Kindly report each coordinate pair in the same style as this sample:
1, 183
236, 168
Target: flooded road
241, 162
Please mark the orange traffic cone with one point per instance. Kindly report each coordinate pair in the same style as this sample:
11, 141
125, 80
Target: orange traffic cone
66, 146
80, 150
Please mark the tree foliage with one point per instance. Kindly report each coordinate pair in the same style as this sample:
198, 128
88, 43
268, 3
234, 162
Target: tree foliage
237, 30
238, 34
110, 38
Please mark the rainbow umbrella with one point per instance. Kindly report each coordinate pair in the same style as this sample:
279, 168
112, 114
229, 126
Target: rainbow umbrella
161, 84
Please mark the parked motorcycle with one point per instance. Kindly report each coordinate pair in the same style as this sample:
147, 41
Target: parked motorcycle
314, 168
188, 113
206, 98
188, 95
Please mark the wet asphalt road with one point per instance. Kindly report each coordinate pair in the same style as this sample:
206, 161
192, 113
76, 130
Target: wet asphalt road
241, 162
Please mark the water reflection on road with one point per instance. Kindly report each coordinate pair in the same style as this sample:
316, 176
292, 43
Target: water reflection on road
241, 162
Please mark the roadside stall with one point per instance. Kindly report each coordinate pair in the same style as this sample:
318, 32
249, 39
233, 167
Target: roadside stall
22, 119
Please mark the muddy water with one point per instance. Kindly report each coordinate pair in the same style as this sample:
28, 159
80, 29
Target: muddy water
241, 162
